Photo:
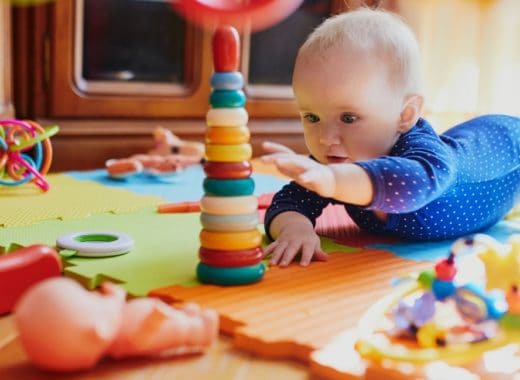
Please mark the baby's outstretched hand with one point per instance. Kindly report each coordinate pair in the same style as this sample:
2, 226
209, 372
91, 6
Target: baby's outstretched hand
293, 240
306, 172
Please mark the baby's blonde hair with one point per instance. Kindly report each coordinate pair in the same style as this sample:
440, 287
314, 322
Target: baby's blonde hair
375, 32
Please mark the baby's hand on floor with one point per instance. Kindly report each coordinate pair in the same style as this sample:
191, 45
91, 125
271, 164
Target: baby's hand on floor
304, 171
291, 241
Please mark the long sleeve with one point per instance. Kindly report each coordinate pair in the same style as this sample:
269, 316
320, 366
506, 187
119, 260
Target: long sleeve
293, 197
419, 169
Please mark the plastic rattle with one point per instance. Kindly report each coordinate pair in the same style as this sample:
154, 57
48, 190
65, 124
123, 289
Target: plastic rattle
25, 152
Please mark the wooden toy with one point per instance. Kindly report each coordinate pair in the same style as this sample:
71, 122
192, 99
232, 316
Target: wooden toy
22, 268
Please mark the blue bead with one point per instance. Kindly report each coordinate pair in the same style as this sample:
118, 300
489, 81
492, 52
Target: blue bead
227, 99
443, 289
232, 80
230, 275
228, 187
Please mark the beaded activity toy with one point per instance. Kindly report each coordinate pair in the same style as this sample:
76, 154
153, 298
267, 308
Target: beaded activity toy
442, 317
25, 152
230, 251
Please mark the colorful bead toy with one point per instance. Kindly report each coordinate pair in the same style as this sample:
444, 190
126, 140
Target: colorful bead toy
25, 152
230, 251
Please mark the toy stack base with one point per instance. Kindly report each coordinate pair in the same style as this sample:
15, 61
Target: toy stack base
230, 252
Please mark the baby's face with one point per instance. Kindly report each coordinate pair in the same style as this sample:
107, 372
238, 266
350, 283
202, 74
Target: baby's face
349, 110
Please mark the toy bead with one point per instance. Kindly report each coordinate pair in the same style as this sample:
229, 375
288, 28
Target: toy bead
423, 309
227, 80
227, 98
228, 153
227, 135
443, 289
428, 335
228, 169
227, 117
229, 187
228, 205
513, 300
230, 276
226, 49
446, 269
230, 240
242, 222
426, 278
237, 258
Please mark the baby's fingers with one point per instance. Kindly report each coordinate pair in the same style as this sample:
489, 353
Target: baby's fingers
272, 147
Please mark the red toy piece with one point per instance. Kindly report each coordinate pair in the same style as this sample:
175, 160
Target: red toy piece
23, 268
232, 258
226, 49
446, 269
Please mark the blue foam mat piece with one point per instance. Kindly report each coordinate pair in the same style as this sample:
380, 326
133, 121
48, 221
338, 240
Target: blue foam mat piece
184, 186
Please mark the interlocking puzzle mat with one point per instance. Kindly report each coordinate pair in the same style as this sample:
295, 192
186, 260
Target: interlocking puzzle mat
181, 187
68, 198
165, 252
294, 311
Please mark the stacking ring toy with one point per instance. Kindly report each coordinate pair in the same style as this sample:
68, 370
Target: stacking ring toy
241, 258
227, 117
231, 80
227, 98
96, 243
228, 187
227, 135
228, 205
228, 153
228, 169
230, 276
241, 222
225, 241
255, 14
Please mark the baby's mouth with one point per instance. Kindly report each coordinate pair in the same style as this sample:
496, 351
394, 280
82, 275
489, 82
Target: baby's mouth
332, 159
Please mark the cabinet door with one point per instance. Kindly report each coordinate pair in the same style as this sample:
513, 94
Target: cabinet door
6, 109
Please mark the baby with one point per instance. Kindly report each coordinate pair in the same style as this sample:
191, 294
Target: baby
357, 85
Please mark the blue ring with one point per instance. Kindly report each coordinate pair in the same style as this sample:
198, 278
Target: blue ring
230, 275
227, 99
24, 180
231, 80
229, 187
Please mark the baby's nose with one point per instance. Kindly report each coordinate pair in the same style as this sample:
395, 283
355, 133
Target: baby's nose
329, 134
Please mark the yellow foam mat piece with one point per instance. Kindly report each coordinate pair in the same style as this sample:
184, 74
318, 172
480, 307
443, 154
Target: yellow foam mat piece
68, 198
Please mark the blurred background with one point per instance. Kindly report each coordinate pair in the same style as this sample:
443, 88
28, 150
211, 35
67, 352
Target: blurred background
110, 71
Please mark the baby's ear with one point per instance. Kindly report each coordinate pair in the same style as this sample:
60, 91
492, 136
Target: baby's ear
410, 112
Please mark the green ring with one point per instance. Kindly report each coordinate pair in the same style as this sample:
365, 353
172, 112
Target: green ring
229, 187
227, 98
230, 276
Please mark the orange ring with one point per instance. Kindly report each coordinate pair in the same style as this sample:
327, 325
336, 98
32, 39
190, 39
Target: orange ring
227, 135
47, 148
230, 240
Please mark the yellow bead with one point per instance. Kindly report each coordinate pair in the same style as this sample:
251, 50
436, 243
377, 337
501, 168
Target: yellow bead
428, 334
247, 204
230, 240
227, 135
228, 153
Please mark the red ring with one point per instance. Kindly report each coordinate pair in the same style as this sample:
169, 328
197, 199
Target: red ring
258, 14
228, 170
237, 258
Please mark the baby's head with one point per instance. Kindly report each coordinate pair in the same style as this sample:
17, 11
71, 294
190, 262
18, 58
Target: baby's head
357, 85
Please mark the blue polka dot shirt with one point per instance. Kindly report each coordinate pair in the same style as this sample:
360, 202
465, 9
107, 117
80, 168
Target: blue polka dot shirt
431, 187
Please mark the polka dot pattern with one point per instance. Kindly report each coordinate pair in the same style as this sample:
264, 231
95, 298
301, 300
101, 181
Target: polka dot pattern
432, 187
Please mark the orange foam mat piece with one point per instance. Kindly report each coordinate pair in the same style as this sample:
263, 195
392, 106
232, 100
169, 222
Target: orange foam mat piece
296, 310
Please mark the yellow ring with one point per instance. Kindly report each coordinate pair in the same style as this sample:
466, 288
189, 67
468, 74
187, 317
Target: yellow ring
227, 117
227, 135
230, 240
228, 153
246, 204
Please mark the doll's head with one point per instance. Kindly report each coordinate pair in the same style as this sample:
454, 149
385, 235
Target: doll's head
357, 85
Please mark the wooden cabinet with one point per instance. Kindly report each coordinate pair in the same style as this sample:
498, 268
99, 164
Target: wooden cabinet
6, 106
110, 71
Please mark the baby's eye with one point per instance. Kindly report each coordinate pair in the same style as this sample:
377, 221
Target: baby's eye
348, 118
311, 118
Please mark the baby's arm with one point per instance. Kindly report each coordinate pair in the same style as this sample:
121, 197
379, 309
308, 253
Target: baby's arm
348, 183
294, 233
